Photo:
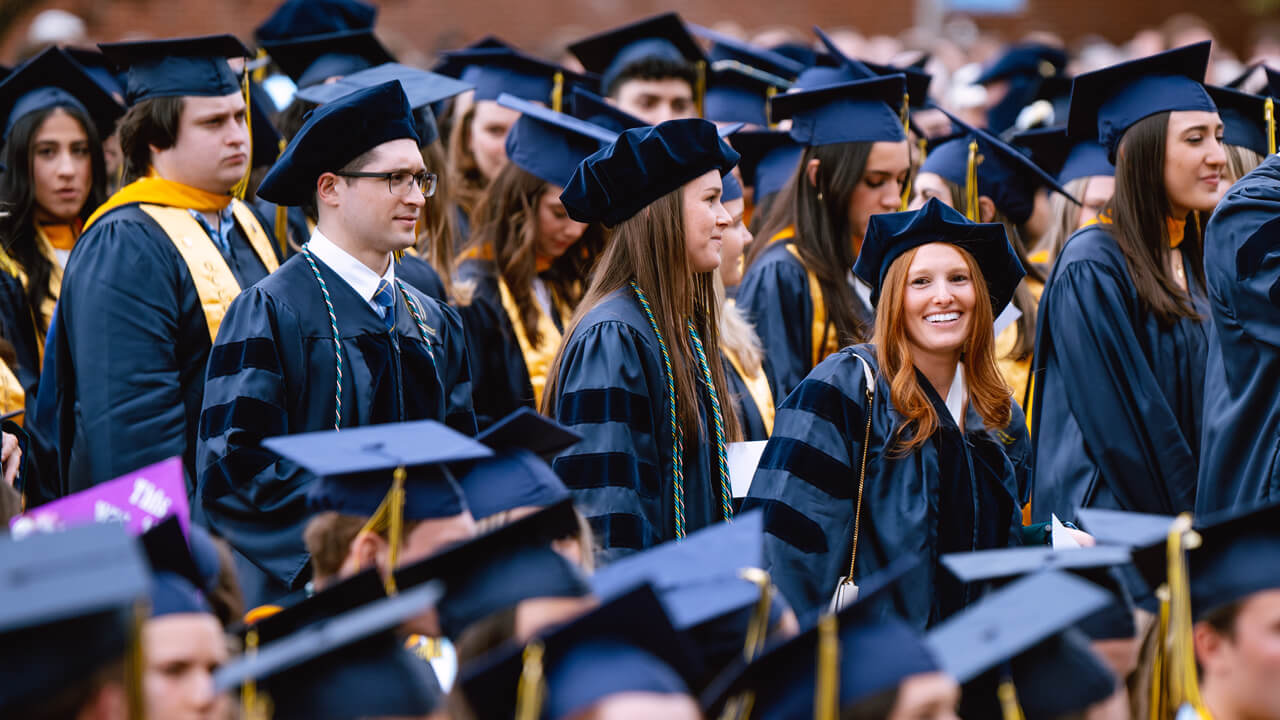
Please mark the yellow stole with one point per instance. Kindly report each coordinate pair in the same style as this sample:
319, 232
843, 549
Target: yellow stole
50, 238
823, 335
12, 397
757, 387
537, 359
168, 203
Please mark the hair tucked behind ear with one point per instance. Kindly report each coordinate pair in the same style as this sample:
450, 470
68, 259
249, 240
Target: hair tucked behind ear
988, 392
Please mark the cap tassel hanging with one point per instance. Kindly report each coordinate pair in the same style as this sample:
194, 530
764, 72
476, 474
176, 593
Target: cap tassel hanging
700, 89
1010, 708
971, 183
769, 92
135, 662
557, 91
758, 629
1183, 688
530, 690
1271, 126
252, 705
390, 516
827, 685
242, 185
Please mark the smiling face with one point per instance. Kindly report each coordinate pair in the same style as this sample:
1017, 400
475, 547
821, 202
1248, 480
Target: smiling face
880, 188
212, 147
490, 123
938, 301
1194, 161
61, 168
556, 231
705, 221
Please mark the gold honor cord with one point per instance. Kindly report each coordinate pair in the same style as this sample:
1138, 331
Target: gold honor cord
971, 182
1270, 116
557, 91
530, 690
826, 689
1010, 708
252, 705
390, 517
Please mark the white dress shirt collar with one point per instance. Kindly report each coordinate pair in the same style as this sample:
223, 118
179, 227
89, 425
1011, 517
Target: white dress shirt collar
358, 275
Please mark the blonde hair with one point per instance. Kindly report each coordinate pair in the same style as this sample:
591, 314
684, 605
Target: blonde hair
737, 334
989, 394
1241, 161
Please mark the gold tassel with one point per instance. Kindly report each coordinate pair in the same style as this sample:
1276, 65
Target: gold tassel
242, 185
971, 183
1183, 686
700, 86
529, 691
557, 91
905, 114
135, 662
1010, 708
827, 686
260, 72
252, 705
758, 629
390, 517
1271, 126
1159, 701
282, 229
769, 92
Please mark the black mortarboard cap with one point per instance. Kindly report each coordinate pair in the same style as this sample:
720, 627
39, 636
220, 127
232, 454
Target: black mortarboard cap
177, 67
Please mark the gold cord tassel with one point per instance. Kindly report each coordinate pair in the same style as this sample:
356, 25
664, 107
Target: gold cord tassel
827, 685
557, 91
282, 229
1183, 686
242, 185
1271, 126
1010, 708
769, 92
252, 705
135, 662
700, 90
905, 114
971, 183
390, 517
529, 691
758, 629
260, 72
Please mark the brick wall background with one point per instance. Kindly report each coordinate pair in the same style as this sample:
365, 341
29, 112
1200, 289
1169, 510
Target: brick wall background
424, 26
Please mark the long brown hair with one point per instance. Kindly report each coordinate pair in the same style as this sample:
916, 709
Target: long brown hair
439, 236
649, 249
1025, 344
819, 212
1139, 214
466, 181
988, 392
506, 220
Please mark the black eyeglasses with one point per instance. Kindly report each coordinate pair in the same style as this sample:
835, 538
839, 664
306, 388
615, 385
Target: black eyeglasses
401, 181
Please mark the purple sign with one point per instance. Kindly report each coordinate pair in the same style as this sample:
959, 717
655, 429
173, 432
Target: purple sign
138, 501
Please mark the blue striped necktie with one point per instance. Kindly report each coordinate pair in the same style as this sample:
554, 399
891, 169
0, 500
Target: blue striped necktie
385, 298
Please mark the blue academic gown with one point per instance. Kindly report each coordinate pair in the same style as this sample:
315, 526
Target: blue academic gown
502, 383
774, 296
128, 352
1117, 396
419, 273
295, 219
612, 390
1238, 463
272, 372
958, 492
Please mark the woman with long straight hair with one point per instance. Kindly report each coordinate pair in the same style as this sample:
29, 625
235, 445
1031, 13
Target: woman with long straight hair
912, 444
55, 116
523, 272
637, 375
796, 289
1120, 356
1081, 167
989, 181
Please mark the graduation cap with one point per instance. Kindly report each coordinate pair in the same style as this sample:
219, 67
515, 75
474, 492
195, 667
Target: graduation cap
870, 655
177, 586
740, 93
726, 47
586, 105
1107, 102
300, 18
1008, 177
610, 53
335, 134
93, 62
347, 666
345, 595
53, 79
1128, 529
1248, 120
497, 570
1063, 157
1018, 632
917, 80
177, 67
423, 89
388, 473
889, 235
626, 645
798, 52
1237, 553
68, 606
1027, 60
860, 111
641, 166
518, 475
316, 58
769, 159
497, 70
550, 145
1095, 564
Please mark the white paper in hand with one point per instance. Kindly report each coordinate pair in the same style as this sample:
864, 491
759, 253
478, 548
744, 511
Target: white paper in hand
743, 458
1062, 539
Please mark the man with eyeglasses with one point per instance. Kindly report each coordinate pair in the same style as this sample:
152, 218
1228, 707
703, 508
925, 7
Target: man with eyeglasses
333, 339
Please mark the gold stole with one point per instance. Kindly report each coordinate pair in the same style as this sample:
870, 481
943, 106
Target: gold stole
758, 387
537, 360
215, 284
12, 396
824, 337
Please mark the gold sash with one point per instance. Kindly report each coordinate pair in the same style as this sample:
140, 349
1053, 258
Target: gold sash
824, 335
537, 360
215, 284
758, 387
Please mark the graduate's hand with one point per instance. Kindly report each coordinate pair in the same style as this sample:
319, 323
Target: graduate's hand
1083, 538
10, 457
